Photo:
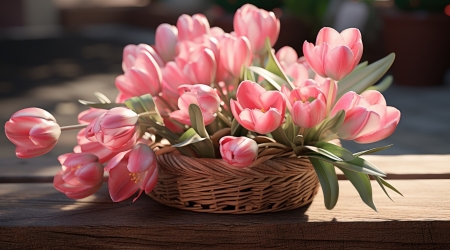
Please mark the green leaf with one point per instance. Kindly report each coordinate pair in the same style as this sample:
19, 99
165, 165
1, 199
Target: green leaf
237, 129
102, 98
101, 105
361, 66
365, 167
362, 184
189, 137
274, 66
383, 85
248, 75
196, 116
270, 77
363, 78
336, 150
290, 129
330, 125
328, 180
142, 104
382, 183
372, 150
279, 136
323, 152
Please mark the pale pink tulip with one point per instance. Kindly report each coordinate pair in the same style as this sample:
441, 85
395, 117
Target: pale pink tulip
235, 54
334, 55
34, 131
217, 32
286, 56
367, 118
200, 94
130, 171
115, 129
257, 109
307, 105
144, 77
131, 51
87, 116
166, 39
191, 27
80, 177
238, 151
256, 24
202, 68
86, 146
172, 78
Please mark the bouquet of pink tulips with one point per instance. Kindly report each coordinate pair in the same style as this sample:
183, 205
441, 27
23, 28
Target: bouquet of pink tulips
201, 92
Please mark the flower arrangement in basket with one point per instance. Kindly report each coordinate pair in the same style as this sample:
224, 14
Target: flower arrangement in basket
216, 122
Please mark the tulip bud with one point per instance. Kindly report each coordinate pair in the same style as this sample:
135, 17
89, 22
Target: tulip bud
238, 151
34, 131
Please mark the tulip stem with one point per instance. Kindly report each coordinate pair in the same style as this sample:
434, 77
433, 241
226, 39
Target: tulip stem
70, 127
148, 113
223, 118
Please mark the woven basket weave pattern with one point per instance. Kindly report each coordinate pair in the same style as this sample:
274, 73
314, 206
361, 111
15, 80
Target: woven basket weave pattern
211, 185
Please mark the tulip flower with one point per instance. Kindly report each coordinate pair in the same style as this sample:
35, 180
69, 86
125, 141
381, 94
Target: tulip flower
86, 146
200, 94
202, 67
115, 129
256, 24
286, 56
367, 118
81, 175
144, 77
238, 151
240, 57
257, 109
130, 171
307, 105
166, 39
87, 116
34, 131
131, 51
191, 27
335, 54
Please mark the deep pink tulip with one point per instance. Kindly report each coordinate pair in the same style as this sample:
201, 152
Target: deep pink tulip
131, 51
144, 77
334, 55
86, 146
367, 117
81, 175
235, 54
166, 39
256, 24
34, 131
115, 129
200, 94
191, 27
238, 151
257, 109
307, 105
130, 171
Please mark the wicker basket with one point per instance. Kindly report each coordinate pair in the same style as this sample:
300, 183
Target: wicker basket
210, 185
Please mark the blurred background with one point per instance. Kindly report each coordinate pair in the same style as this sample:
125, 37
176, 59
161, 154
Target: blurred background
54, 52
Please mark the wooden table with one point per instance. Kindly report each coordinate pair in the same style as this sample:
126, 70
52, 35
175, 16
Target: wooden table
33, 215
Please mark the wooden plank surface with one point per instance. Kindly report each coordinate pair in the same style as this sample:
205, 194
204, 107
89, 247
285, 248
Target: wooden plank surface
42, 169
421, 219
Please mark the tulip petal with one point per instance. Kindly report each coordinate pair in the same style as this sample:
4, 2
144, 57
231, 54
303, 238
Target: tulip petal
90, 174
329, 36
121, 186
141, 158
248, 93
339, 62
268, 122
374, 97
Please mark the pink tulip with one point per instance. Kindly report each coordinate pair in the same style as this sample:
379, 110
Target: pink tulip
80, 177
256, 24
34, 131
256, 109
307, 105
191, 27
131, 51
202, 68
173, 77
130, 171
87, 116
235, 54
367, 118
238, 151
144, 77
166, 39
200, 94
86, 146
216, 32
115, 129
334, 55
286, 56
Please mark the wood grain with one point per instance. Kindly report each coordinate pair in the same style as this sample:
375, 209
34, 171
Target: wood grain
42, 169
34, 212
